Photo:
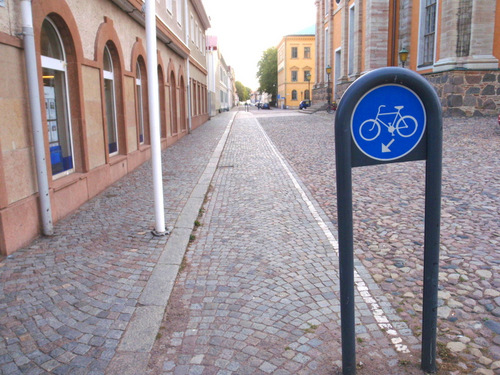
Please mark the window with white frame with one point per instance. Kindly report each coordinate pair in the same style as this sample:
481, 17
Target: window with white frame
169, 4
192, 28
109, 96
140, 102
55, 88
427, 32
197, 34
338, 62
327, 52
179, 12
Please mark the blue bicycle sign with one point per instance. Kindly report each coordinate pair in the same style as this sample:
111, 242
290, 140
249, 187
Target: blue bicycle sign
388, 122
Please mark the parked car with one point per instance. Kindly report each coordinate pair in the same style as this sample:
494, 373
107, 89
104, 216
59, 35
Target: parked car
265, 106
303, 104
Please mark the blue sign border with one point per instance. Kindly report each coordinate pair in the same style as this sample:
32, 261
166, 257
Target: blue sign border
392, 144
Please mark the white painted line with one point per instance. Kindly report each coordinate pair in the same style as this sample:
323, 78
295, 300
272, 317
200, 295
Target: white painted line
377, 312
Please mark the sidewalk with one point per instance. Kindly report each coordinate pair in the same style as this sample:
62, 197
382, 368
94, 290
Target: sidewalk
259, 293
257, 290
92, 296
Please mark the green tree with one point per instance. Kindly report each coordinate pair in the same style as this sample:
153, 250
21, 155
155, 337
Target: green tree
242, 91
267, 73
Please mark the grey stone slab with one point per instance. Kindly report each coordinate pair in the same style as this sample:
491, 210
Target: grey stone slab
174, 250
200, 191
205, 178
128, 363
141, 332
189, 213
159, 286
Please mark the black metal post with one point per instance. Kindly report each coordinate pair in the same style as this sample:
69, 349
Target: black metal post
431, 237
328, 91
345, 236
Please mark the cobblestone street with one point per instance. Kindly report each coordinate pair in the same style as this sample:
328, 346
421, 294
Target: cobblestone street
227, 272
257, 291
388, 227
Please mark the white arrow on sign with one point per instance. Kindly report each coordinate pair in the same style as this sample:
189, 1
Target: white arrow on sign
385, 148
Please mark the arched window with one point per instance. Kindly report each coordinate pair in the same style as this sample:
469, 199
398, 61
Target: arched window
55, 88
109, 92
294, 94
140, 102
173, 105
161, 98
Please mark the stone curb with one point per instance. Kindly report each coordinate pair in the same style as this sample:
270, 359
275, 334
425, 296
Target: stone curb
132, 354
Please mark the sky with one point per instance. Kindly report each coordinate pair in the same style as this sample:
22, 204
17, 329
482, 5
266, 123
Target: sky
245, 29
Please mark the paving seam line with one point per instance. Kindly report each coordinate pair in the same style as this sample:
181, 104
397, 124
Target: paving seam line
361, 282
140, 334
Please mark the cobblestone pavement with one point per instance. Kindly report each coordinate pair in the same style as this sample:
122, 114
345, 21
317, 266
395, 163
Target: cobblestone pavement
259, 292
65, 301
388, 229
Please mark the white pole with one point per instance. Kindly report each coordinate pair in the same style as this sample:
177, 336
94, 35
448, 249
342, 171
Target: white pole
36, 117
188, 68
154, 117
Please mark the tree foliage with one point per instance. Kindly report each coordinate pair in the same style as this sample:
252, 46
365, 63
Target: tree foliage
243, 92
267, 73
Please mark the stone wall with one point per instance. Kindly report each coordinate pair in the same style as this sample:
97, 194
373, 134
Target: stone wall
468, 93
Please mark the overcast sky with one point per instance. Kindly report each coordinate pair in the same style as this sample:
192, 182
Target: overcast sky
245, 29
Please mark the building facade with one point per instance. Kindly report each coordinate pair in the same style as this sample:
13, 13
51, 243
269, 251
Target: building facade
90, 67
296, 66
220, 79
454, 44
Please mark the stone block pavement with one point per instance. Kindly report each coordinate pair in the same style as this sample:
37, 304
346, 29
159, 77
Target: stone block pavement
252, 288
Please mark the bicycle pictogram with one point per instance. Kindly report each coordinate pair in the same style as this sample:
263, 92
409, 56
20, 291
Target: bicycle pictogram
405, 126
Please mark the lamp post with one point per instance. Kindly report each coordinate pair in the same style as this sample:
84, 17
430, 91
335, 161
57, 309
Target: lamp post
308, 78
328, 72
403, 56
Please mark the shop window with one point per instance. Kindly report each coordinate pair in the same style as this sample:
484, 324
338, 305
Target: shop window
110, 98
55, 87
140, 101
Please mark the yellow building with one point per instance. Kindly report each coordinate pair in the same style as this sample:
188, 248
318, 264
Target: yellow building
296, 61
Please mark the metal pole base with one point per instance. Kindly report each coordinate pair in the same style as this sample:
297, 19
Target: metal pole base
160, 234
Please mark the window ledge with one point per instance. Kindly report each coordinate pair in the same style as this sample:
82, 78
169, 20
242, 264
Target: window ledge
116, 159
66, 181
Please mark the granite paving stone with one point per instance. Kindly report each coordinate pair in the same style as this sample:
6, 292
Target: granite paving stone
257, 290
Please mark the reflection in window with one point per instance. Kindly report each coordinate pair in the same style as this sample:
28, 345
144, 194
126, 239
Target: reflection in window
56, 100
429, 32
140, 104
307, 52
109, 92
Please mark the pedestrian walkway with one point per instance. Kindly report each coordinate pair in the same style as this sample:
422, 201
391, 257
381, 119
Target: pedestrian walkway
68, 303
253, 290
259, 292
